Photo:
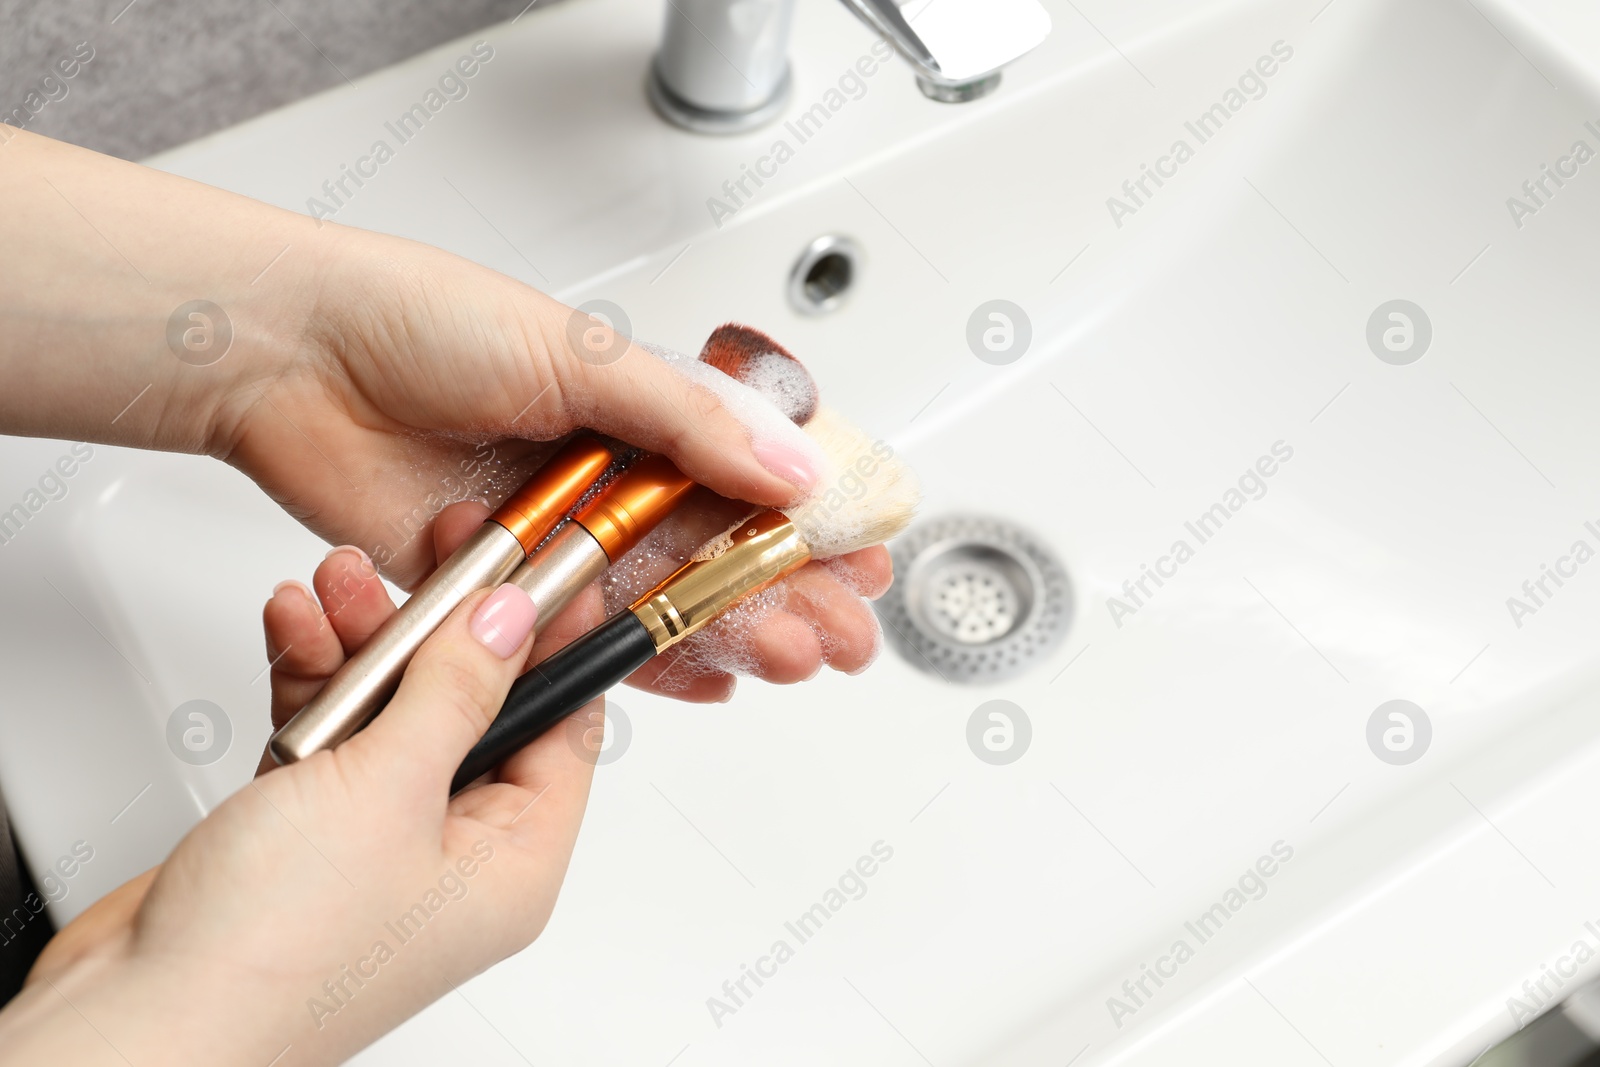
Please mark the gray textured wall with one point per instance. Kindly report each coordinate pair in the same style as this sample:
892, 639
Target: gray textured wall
167, 71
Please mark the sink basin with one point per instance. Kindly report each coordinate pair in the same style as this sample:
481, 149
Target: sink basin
1319, 350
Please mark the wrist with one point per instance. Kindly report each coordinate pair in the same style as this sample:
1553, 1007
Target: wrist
285, 327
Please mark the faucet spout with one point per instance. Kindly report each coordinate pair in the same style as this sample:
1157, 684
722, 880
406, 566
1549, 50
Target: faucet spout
723, 65
957, 48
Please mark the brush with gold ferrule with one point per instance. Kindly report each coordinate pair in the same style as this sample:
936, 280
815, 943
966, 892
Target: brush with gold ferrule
364, 683
751, 556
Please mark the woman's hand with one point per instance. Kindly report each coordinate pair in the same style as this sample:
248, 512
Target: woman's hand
368, 379
292, 898
334, 898
369, 382
421, 366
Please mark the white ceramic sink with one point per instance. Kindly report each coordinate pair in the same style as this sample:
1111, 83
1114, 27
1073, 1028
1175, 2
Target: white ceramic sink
1173, 745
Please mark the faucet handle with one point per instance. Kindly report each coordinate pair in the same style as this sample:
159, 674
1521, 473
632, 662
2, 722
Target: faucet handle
957, 47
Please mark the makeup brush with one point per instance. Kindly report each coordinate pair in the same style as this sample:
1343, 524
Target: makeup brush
747, 355
361, 686
611, 523
651, 488
866, 497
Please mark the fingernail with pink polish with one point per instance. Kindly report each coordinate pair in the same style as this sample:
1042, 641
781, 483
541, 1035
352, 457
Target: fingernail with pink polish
792, 465
504, 621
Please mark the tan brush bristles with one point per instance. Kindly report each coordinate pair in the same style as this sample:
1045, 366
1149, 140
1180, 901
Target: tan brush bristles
864, 496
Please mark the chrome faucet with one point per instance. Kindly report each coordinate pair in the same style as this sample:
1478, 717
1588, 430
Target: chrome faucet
723, 66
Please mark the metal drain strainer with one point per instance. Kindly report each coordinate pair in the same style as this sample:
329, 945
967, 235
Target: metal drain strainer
975, 599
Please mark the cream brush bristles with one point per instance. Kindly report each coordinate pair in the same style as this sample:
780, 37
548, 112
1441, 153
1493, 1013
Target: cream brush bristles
864, 495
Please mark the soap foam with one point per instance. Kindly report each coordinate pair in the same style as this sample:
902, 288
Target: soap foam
725, 646
849, 575
662, 551
762, 414
781, 380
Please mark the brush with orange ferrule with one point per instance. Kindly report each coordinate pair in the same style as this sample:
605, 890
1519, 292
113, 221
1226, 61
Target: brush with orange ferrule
360, 688
601, 533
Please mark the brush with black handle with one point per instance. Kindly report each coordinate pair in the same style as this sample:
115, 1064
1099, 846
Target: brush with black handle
865, 497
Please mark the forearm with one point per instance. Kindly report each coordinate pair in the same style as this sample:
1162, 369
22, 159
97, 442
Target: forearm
106, 1009
97, 256
116, 1008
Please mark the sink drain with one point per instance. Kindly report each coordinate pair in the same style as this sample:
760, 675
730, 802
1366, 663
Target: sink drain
975, 599
823, 275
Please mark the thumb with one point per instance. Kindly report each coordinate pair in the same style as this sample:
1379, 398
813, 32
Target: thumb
720, 432
451, 691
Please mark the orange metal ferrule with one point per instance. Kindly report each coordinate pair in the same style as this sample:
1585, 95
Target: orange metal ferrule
544, 499
631, 506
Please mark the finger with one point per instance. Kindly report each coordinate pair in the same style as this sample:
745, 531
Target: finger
840, 630
786, 649
455, 524
308, 641
301, 646
306, 647
539, 794
845, 625
356, 602
543, 787
450, 693
775, 645
352, 595
586, 611
683, 676
867, 572
622, 389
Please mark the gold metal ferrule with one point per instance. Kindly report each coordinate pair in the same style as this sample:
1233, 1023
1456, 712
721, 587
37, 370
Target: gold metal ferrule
764, 549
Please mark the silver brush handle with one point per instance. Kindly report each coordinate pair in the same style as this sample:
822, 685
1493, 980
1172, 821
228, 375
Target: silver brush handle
359, 689
563, 566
